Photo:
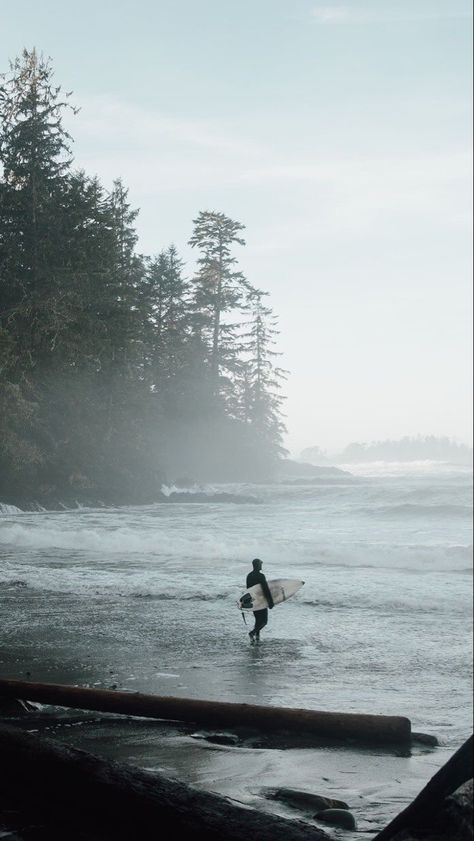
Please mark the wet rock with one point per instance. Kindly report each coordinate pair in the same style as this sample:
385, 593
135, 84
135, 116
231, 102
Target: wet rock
303, 799
184, 496
459, 813
218, 738
337, 817
425, 739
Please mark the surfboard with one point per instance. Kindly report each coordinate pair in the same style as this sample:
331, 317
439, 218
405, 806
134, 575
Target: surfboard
280, 588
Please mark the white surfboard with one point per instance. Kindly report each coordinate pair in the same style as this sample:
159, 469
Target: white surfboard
280, 588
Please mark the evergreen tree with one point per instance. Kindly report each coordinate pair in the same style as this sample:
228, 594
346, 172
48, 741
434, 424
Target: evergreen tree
111, 363
19, 455
261, 400
34, 153
125, 286
166, 298
219, 289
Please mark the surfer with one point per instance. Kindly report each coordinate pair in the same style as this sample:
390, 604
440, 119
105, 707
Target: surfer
261, 616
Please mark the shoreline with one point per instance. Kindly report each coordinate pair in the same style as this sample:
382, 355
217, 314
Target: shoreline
376, 781
29, 506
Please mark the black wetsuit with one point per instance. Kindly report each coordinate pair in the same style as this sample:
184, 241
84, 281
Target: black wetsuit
261, 616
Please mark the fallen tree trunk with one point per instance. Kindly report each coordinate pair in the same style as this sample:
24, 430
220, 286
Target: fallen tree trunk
72, 794
366, 728
424, 813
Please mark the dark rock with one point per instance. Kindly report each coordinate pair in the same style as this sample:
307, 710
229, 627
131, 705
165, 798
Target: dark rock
337, 817
178, 496
425, 739
303, 799
459, 813
78, 795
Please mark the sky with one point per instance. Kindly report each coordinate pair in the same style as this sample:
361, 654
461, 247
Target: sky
339, 133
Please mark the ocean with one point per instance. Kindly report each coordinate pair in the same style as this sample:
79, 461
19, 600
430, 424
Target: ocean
145, 599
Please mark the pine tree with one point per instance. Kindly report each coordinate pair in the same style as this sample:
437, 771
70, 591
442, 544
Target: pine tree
260, 382
35, 156
165, 294
19, 455
124, 290
218, 291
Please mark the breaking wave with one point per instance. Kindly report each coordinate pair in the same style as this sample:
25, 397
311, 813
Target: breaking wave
6, 509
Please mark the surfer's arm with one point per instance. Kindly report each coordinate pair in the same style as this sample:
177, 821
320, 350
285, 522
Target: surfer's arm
266, 591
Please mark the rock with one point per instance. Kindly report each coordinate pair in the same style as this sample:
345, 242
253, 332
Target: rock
80, 797
303, 799
201, 496
425, 739
459, 813
337, 817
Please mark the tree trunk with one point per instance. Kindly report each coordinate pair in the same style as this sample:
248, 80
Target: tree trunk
308, 723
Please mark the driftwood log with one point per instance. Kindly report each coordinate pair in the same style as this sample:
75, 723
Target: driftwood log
340, 726
61, 792
429, 815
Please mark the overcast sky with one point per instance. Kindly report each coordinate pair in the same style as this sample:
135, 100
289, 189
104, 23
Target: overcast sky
338, 132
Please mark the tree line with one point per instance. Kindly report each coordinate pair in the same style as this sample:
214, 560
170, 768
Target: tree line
117, 371
409, 448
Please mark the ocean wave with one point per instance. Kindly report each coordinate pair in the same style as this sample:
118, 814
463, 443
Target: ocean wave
361, 602
177, 596
413, 509
158, 579
167, 490
6, 509
153, 543
13, 584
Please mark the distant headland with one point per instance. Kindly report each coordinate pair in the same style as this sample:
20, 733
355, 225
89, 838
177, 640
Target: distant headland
409, 448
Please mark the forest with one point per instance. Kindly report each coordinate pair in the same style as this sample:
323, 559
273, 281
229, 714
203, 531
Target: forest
410, 448
118, 371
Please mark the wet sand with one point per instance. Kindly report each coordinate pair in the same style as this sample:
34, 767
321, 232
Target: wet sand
375, 782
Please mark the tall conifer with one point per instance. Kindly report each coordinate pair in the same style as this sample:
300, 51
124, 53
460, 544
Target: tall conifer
262, 379
35, 156
219, 290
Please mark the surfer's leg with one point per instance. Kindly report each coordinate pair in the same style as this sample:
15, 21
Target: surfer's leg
254, 629
261, 619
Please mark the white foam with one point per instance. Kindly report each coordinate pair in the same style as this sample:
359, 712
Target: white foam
9, 509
